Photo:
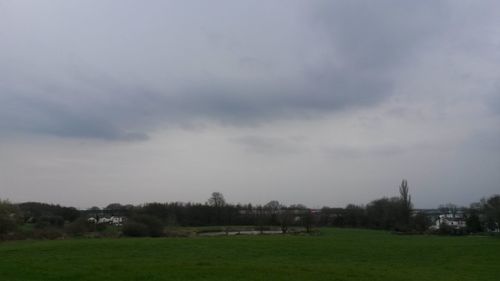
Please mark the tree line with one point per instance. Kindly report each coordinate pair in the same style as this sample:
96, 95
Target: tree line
40, 220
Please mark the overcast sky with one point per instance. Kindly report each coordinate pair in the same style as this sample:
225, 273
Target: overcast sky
312, 102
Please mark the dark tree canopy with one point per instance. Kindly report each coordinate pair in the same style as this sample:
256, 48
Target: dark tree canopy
9, 217
217, 200
405, 198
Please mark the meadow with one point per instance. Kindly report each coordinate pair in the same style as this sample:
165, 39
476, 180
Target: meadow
333, 254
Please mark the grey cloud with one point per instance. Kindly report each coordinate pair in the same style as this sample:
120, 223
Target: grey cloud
356, 152
376, 150
366, 43
376, 91
383, 33
40, 116
493, 101
484, 140
267, 145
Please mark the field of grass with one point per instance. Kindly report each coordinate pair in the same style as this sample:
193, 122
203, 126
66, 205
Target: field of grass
335, 254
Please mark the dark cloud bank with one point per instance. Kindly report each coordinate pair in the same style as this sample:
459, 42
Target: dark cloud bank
346, 54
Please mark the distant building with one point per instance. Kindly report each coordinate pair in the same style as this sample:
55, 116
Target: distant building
104, 220
454, 220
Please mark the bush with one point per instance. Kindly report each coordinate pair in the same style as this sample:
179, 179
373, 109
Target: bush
448, 230
79, 227
48, 233
420, 222
155, 226
473, 224
9, 218
143, 225
49, 222
178, 233
135, 229
101, 227
7, 225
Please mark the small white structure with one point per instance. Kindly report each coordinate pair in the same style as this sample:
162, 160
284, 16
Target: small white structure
453, 220
111, 220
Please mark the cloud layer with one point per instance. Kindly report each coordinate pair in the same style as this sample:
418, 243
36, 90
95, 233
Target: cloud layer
109, 71
362, 86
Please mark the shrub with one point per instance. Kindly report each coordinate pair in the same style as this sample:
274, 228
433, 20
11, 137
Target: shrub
448, 230
7, 224
48, 233
49, 222
154, 225
178, 233
79, 227
143, 225
420, 222
135, 229
9, 217
101, 227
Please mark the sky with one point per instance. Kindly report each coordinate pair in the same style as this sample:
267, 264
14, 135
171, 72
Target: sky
322, 103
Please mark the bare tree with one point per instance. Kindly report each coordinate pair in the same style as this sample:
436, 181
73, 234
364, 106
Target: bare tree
272, 206
285, 219
308, 220
114, 206
448, 208
216, 200
272, 209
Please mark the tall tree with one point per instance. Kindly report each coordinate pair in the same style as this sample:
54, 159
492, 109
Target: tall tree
491, 209
405, 202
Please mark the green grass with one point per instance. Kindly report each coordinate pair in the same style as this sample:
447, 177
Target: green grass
336, 254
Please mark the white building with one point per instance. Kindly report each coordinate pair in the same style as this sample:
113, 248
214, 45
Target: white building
111, 220
453, 220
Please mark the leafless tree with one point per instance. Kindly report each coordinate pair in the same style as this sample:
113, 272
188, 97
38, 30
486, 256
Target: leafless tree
217, 200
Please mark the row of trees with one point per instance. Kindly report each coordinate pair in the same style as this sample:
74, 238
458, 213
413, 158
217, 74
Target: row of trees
483, 215
391, 213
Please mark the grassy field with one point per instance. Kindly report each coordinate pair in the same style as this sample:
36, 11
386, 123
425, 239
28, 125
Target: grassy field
335, 254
